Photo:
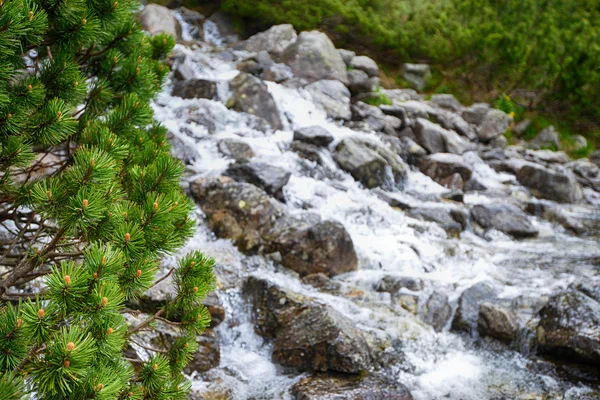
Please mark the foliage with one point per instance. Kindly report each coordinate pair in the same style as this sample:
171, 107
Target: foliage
89, 202
379, 99
550, 48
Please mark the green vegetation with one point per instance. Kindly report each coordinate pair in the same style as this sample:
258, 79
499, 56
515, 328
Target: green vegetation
89, 204
543, 53
379, 99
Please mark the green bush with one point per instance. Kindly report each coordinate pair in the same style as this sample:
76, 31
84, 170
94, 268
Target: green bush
89, 205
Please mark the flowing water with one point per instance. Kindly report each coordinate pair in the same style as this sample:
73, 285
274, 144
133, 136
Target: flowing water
441, 365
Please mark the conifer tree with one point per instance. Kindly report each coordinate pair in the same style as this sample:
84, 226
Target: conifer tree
89, 204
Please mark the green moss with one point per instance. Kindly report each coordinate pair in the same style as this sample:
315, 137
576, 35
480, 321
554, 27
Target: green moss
378, 99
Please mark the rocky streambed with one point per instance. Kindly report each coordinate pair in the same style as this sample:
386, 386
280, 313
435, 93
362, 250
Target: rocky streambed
374, 252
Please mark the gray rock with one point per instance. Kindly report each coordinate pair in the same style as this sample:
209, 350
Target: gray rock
456, 144
437, 311
505, 218
195, 89
240, 151
579, 142
347, 55
274, 40
314, 57
446, 101
195, 20
333, 96
595, 157
182, 148
266, 176
394, 284
276, 73
406, 148
431, 136
452, 121
307, 151
440, 216
250, 66
547, 156
338, 387
307, 335
157, 19
520, 129
364, 63
570, 326
314, 135
548, 138
322, 282
225, 26
497, 322
467, 313
417, 75
494, 124
371, 163
499, 143
476, 113
252, 96
547, 184
359, 82
442, 166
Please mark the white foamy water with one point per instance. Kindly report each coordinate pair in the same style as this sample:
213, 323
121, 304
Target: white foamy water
388, 242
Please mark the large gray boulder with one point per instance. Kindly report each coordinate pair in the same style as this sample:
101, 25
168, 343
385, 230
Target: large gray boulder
240, 151
548, 184
274, 40
157, 19
266, 176
338, 387
505, 218
316, 135
416, 74
431, 136
476, 113
333, 96
570, 326
467, 313
441, 216
195, 89
314, 57
447, 169
252, 96
446, 101
548, 138
366, 64
437, 311
494, 124
371, 163
359, 82
497, 322
306, 335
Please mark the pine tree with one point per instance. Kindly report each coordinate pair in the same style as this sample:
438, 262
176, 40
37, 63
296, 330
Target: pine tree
89, 204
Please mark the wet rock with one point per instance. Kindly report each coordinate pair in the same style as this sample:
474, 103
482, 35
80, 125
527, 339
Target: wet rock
274, 40
276, 73
225, 26
406, 148
343, 387
442, 167
396, 199
431, 136
333, 96
250, 66
251, 95
546, 139
157, 19
182, 148
552, 185
476, 113
322, 282
417, 75
307, 335
195, 20
446, 101
437, 311
587, 288
360, 82
208, 355
266, 176
393, 284
556, 215
314, 57
370, 163
467, 313
366, 64
440, 216
494, 124
505, 218
195, 89
570, 327
309, 247
240, 151
497, 322
408, 302
313, 135
347, 55
307, 151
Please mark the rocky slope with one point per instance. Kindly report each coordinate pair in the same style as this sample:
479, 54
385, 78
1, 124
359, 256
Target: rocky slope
377, 252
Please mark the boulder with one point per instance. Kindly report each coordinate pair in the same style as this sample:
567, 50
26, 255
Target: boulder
441, 216
371, 163
548, 138
195, 20
437, 311
405, 147
240, 151
359, 82
494, 124
270, 178
431, 136
225, 27
274, 40
252, 96
366, 64
157, 19
276, 73
456, 144
520, 128
333, 96
442, 166
548, 184
393, 284
340, 387
499, 142
313, 135
347, 55
314, 57
195, 89
497, 322
476, 113
446, 101
569, 326
307, 335
579, 142
417, 75
453, 121
467, 313
505, 218
307, 151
